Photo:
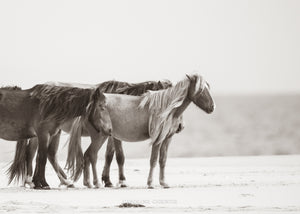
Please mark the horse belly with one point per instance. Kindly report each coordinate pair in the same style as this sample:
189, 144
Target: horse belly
129, 122
130, 130
15, 130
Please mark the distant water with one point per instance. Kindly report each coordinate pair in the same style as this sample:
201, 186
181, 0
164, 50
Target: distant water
241, 125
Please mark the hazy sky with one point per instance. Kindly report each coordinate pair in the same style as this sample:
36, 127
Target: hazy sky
239, 46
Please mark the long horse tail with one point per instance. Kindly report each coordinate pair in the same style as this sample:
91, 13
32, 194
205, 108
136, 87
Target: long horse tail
18, 168
75, 160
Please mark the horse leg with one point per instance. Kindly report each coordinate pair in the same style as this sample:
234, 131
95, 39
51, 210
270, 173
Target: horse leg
162, 161
30, 152
52, 157
109, 154
39, 176
92, 154
153, 162
120, 160
86, 170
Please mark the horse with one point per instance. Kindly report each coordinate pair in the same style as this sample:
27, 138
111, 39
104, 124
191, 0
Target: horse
22, 163
155, 115
41, 110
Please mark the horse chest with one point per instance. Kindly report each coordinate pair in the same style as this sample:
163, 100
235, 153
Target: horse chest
130, 129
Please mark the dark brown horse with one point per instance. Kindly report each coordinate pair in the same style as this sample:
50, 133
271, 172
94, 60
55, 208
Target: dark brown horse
24, 155
40, 111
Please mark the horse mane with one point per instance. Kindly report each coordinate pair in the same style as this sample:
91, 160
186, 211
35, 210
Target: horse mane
135, 89
61, 103
12, 88
162, 105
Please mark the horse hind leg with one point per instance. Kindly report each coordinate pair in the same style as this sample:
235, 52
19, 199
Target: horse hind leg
120, 160
30, 152
109, 154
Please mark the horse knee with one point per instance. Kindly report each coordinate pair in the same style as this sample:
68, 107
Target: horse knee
153, 163
120, 159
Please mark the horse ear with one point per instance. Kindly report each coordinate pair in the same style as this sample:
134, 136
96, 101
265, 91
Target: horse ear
188, 76
159, 83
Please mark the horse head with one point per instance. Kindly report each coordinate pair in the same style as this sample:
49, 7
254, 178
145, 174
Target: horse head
98, 114
199, 93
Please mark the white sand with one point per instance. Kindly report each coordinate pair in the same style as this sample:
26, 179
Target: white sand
267, 184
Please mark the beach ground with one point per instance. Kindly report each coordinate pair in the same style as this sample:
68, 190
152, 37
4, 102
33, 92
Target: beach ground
253, 184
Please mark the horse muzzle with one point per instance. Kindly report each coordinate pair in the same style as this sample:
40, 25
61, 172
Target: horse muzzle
211, 109
108, 132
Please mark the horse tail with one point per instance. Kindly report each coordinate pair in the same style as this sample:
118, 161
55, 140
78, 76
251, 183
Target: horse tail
75, 161
17, 170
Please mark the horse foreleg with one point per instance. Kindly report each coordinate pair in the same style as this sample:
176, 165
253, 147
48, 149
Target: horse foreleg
120, 160
92, 151
52, 157
162, 161
109, 154
39, 179
153, 162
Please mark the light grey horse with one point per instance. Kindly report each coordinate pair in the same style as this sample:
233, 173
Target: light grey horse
154, 115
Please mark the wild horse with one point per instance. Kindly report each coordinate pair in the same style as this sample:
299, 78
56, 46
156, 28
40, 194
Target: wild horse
155, 115
40, 111
24, 155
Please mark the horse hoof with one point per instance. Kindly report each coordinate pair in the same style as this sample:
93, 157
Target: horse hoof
46, 187
71, 186
164, 185
123, 185
150, 187
109, 185
42, 187
97, 186
37, 187
29, 185
88, 186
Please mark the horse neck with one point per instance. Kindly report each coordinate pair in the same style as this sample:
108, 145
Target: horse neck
179, 111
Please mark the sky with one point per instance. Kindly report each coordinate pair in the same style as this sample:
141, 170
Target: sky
238, 46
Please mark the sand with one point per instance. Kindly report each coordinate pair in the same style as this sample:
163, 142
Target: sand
261, 184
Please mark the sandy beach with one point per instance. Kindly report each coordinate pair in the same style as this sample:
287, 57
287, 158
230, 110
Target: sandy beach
264, 184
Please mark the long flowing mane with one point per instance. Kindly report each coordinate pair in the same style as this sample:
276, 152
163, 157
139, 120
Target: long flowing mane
135, 89
61, 103
162, 105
